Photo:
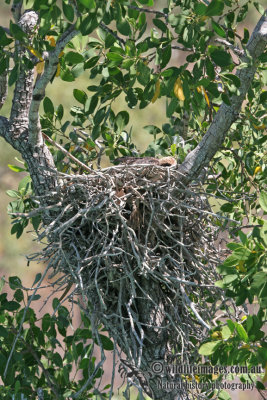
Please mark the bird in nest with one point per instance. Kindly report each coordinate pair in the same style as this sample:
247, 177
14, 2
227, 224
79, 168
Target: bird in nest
162, 162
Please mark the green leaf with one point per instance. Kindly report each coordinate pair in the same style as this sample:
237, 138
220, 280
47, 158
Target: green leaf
88, 24
143, 73
2, 283
114, 57
149, 3
259, 280
260, 386
88, 3
259, 7
226, 99
226, 332
106, 342
90, 105
209, 348
3, 332
230, 278
13, 193
73, 58
15, 168
215, 8
242, 13
4, 41
55, 303
17, 229
227, 207
200, 9
67, 76
231, 325
165, 56
99, 116
263, 97
243, 237
263, 232
68, 11
171, 107
122, 119
25, 185
123, 27
14, 282
210, 69
36, 220
48, 106
152, 129
34, 297
46, 321
223, 395
221, 58
17, 32
37, 278
80, 96
57, 360
60, 112
240, 251
233, 78
84, 364
11, 306
218, 29
91, 62
242, 332
160, 24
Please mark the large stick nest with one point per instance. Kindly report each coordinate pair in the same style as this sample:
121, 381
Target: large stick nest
140, 247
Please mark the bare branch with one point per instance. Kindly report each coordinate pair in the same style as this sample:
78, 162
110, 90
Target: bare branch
16, 10
69, 155
147, 10
181, 48
235, 49
213, 139
107, 29
35, 137
3, 88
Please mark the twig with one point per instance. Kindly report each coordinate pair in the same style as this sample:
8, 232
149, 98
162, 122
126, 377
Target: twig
114, 34
35, 137
147, 10
64, 151
235, 49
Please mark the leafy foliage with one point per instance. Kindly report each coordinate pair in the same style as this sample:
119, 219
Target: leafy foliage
40, 359
244, 275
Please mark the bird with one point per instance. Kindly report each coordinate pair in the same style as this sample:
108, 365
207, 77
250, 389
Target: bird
162, 162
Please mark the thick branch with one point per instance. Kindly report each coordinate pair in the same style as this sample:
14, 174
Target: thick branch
213, 139
23, 89
35, 136
3, 88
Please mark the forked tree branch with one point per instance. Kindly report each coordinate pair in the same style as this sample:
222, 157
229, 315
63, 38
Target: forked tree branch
226, 115
35, 136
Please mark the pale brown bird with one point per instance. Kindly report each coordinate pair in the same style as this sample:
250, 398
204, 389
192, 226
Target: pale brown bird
163, 162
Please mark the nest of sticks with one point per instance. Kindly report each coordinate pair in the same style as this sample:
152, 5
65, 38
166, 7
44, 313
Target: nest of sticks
139, 246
